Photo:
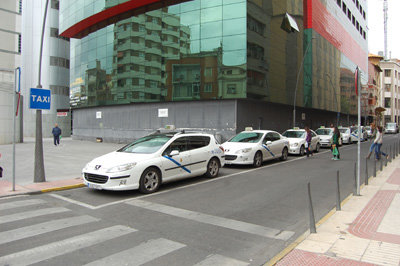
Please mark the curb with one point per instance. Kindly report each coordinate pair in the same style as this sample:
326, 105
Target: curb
46, 190
302, 237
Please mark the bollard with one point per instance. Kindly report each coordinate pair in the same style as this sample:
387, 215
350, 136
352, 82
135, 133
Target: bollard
381, 164
386, 161
313, 230
338, 207
390, 153
374, 168
366, 172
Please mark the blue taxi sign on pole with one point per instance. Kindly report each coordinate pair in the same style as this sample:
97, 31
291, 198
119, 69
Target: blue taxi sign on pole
40, 99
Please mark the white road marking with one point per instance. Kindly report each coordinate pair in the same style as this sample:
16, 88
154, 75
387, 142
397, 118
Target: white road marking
220, 261
21, 203
140, 254
42, 228
38, 254
214, 220
30, 214
73, 201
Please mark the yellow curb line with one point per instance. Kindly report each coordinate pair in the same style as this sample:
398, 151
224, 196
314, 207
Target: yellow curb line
62, 188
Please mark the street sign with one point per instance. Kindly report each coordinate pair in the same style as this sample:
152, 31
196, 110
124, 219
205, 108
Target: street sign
40, 99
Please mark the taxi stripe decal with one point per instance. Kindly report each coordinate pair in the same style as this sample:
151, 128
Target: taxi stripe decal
265, 146
177, 163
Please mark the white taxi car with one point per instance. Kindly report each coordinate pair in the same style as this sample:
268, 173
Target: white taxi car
354, 134
345, 133
297, 141
255, 146
326, 136
154, 159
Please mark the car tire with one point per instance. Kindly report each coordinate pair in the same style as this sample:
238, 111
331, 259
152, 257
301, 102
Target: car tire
302, 150
317, 147
284, 154
258, 159
213, 168
150, 180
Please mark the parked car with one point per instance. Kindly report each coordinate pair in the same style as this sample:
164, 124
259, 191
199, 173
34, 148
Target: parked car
154, 159
354, 134
253, 147
345, 133
297, 141
391, 128
368, 129
326, 137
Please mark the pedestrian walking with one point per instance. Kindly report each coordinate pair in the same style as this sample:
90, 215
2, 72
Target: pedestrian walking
335, 144
308, 141
56, 134
373, 144
378, 144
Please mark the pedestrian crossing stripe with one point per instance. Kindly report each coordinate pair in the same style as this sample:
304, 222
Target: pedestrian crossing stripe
20, 203
30, 214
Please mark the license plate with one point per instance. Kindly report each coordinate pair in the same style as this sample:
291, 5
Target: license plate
94, 186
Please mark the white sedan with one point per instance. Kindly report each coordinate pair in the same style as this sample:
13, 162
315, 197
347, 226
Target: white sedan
157, 158
354, 134
345, 133
255, 146
326, 137
297, 141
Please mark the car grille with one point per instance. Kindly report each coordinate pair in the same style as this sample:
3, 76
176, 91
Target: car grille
100, 179
230, 157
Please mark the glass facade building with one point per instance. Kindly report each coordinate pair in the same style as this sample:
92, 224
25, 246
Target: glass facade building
219, 49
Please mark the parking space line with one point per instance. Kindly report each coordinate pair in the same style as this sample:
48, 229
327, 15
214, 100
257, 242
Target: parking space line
214, 220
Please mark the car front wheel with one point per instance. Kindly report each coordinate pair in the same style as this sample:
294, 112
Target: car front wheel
257, 162
302, 150
284, 154
213, 168
150, 180
317, 147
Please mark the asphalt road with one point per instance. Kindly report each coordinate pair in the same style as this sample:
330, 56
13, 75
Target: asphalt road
245, 216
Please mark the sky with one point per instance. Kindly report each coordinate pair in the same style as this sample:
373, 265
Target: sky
376, 29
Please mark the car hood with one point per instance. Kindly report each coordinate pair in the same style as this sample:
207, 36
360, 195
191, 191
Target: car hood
295, 140
118, 158
325, 137
232, 147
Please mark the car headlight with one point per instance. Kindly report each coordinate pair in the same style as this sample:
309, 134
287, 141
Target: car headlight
294, 144
246, 150
121, 168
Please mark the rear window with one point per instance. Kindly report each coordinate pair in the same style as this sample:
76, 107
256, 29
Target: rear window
196, 142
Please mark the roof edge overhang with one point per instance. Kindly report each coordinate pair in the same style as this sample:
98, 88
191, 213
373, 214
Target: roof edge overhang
114, 14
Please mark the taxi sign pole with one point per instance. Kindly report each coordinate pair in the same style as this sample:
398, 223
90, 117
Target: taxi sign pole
39, 174
15, 108
358, 92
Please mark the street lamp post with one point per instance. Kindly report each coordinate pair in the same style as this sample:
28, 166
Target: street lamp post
297, 81
39, 174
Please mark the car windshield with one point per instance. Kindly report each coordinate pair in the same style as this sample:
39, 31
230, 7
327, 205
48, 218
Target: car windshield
294, 134
324, 131
148, 144
251, 137
343, 130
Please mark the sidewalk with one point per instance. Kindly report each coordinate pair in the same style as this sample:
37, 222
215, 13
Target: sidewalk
365, 232
63, 164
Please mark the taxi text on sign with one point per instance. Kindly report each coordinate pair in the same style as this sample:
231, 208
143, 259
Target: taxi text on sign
40, 99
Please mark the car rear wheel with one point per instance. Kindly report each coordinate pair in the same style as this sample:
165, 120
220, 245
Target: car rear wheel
302, 150
213, 168
284, 154
258, 159
150, 180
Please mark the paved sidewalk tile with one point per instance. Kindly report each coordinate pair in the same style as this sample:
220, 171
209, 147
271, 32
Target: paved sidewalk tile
6, 189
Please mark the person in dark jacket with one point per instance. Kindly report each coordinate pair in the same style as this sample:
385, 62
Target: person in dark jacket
308, 141
56, 134
335, 144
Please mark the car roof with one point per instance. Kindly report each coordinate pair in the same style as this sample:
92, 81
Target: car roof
300, 129
260, 131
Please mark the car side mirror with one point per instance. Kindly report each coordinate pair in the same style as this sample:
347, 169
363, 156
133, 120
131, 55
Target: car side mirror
268, 142
174, 153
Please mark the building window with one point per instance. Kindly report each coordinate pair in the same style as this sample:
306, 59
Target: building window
19, 43
255, 25
349, 14
231, 89
208, 72
59, 61
339, 2
388, 72
344, 8
20, 7
387, 102
55, 4
208, 87
387, 87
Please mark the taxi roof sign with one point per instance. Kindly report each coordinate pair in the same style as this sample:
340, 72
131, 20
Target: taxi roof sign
296, 128
248, 129
170, 127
